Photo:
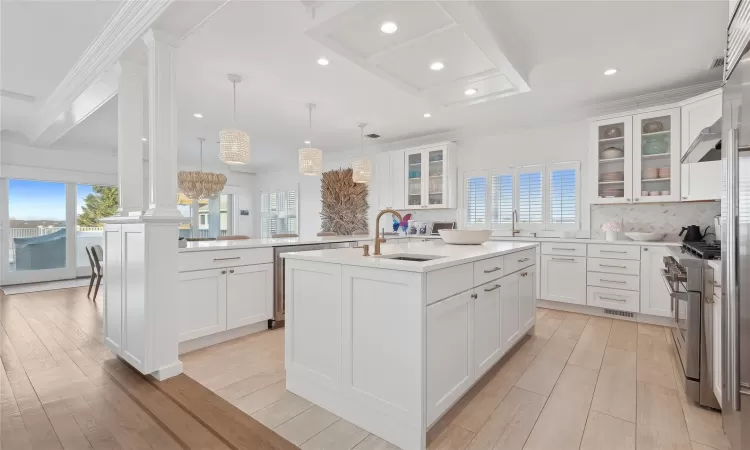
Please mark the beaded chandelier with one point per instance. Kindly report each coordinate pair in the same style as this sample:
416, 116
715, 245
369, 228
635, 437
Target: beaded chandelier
362, 167
310, 159
200, 185
234, 145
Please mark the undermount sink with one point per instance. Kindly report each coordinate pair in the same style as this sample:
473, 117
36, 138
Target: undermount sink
408, 257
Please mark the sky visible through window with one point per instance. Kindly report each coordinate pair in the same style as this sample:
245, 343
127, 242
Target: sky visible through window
41, 200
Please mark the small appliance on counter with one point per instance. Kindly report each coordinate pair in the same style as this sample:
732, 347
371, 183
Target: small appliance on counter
693, 233
437, 226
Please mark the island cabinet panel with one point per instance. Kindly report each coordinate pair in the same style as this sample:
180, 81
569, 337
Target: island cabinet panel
450, 352
487, 344
249, 294
564, 279
527, 298
202, 303
511, 324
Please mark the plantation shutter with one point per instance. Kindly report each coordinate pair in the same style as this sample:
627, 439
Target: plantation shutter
502, 200
278, 213
564, 189
475, 199
530, 196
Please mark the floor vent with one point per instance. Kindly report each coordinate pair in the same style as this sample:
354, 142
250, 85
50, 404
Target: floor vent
614, 312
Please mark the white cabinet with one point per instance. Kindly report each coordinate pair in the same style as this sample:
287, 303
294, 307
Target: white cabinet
390, 180
449, 344
487, 346
656, 156
611, 160
527, 298
700, 181
249, 294
430, 177
655, 299
202, 303
716, 328
510, 327
564, 279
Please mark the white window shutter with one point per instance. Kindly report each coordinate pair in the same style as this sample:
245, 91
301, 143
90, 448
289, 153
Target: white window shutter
563, 196
530, 197
501, 203
475, 200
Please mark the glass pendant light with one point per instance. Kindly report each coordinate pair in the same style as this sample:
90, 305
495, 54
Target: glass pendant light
310, 159
200, 185
234, 145
362, 167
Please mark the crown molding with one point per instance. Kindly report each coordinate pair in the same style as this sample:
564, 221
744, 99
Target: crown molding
653, 99
131, 20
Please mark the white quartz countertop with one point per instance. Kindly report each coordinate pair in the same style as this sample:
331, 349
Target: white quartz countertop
260, 243
449, 255
583, 240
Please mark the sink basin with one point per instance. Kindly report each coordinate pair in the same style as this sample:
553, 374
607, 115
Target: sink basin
409, 257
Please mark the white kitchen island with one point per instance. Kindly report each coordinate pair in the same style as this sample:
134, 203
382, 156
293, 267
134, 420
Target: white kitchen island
390, 345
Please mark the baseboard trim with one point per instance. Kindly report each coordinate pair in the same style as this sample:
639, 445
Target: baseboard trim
223, 336
597, 311
169, 371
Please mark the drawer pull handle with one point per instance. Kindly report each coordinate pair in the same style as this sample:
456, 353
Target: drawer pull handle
564, 259
611, 265
613, 299
612, 251
493, 270
523, 274
523, 260
492, 288
716, 285
613, 281
227, 259
474, 296
567, 249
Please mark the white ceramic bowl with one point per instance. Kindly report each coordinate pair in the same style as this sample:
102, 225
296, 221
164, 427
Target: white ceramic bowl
646, 237
465, 237
612, 152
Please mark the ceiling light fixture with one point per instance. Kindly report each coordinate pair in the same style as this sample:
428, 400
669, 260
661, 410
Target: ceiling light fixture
388, 27
144, 139
323, 61
201, 185
198, 115
310, 160
437, 65
234, 145
610, 71
470, 91
362, 167
427, 115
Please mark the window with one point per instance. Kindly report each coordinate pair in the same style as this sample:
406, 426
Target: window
545, 197
206, 218
203, 220
278, 213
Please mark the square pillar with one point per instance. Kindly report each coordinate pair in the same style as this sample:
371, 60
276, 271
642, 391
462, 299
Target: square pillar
130, 82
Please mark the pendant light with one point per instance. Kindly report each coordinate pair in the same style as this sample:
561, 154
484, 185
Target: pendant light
310, 159
362, 167
200, 185
234, 145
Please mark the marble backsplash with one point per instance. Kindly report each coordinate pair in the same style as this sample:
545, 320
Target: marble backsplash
666, 218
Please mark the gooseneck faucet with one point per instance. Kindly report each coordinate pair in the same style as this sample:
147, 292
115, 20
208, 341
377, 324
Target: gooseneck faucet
514, 219
379, 239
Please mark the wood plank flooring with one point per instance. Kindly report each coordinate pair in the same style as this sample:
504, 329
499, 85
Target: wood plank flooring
580, 382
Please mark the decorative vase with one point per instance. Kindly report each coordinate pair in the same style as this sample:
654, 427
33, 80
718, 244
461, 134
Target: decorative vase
611, 235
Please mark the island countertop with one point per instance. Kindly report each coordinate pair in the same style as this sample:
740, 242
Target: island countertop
197, 246
446, 255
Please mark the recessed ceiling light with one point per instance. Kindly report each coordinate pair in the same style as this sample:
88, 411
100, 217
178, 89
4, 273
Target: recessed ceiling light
437, 65
198, 115
144, 139
470, 91
610, 71
307, 142
323, 61
427, 115
388, 27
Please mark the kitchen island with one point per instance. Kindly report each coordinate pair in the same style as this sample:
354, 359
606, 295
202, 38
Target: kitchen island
391, 342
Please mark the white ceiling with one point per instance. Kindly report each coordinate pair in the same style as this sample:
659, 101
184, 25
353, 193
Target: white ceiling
560, 48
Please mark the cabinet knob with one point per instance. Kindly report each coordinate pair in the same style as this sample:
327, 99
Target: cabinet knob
223, 272
684, 198
474, 296
231, 271
627, 199
636, 199
645, 249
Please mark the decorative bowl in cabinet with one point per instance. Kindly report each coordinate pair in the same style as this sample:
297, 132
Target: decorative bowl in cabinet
650, 173
612, 152
611, 132
646, 237
653, 127
664, 172
655, 146
465, 237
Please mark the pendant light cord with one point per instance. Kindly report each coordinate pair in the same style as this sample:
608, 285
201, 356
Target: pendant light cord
309, 112
234, 103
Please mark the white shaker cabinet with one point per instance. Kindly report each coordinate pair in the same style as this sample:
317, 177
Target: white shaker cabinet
201, 296
655, 299
656, 156
564, 278
249, 294
527, 297
390, 180
699, 180
430, 177
611, 160
511, 323
487, 346
716, 348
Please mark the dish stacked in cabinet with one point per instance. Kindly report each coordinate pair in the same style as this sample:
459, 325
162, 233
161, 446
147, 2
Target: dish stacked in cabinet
613, 279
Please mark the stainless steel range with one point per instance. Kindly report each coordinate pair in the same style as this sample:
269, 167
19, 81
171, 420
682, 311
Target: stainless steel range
683, 275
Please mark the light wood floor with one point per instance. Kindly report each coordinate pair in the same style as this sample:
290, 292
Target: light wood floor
580, 382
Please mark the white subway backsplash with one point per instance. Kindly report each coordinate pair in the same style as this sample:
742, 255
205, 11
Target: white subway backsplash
666, 218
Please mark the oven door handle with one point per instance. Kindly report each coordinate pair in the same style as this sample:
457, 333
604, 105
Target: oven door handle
670, 290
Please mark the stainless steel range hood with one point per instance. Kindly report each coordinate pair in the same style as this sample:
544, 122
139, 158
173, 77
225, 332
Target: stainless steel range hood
706, 146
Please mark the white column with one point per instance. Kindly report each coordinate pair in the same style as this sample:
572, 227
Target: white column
129, 137
162, 141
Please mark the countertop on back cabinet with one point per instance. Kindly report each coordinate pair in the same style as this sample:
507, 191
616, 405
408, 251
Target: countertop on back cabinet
197, 246
583, 240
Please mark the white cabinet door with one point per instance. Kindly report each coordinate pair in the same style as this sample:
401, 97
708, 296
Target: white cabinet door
610, 149
700, 181
510, 327
414, 171
703, 181
450, 351
655, 299
527, 298
249, 294
397, 179
486, 326
564, 279
716, 348
202, 303
656, 156
383, 174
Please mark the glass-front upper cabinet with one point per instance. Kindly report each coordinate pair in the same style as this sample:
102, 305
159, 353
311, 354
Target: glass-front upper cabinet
435, 182
428, 177
656, 161
611, 159
414, 177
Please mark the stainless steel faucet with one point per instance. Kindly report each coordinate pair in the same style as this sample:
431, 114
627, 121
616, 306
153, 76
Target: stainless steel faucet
514, 219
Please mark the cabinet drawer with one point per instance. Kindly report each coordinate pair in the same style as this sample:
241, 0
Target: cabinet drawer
563, 248
517, 261
618, 299
614, 251
614, 280
443, 283
625, 267
212, 259
488, 270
